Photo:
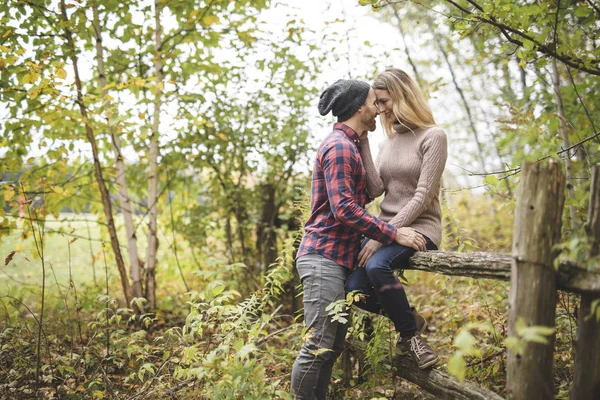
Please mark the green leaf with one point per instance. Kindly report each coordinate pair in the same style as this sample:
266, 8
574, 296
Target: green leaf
582, 11
465, 341
217, 290
491, 180
528, 44
457, 366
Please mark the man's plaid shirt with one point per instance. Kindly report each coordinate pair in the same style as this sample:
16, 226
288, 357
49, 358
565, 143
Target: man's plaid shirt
338, 197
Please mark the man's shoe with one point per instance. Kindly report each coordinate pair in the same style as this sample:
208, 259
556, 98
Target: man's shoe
420, 321
420, 351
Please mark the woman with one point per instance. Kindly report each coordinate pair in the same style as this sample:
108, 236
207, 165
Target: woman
409, 169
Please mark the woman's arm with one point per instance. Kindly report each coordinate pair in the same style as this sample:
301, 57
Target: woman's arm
374, 182
435, 152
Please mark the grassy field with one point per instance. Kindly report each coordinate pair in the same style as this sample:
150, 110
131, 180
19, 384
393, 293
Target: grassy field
72, 248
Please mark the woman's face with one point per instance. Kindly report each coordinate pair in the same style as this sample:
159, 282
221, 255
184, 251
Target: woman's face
385, 103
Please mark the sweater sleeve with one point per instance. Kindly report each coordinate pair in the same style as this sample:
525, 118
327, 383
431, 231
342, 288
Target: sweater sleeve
435, 152
374, 181
338, 164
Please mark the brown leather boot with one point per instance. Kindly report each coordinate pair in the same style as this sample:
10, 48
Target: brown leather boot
419, 351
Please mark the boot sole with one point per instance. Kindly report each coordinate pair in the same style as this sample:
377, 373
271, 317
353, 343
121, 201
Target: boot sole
430, 363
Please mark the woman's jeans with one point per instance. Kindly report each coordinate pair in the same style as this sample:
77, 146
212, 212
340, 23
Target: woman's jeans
323, 282
383, 289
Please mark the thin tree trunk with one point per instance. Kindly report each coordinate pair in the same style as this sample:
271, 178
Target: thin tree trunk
565, 134
465, 104
408, 57
491, 130
134, 263
586, 375
266, 240
114, 240
229, 234
153, 161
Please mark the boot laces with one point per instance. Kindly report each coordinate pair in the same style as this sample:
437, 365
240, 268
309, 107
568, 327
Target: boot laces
417, 347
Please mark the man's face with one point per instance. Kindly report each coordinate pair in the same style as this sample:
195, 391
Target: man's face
370, 112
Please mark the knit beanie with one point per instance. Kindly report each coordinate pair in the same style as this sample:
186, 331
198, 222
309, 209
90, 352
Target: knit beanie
343, 98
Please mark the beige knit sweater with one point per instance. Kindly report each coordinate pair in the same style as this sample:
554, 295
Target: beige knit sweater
409, 170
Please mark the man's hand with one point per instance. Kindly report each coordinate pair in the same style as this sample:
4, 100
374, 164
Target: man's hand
367, 251
410, 238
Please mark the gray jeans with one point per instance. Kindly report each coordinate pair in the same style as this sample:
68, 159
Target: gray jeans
323, 282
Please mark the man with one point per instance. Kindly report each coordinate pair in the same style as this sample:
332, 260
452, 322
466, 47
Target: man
333, 231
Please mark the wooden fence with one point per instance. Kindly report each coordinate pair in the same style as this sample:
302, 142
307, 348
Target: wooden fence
534, 282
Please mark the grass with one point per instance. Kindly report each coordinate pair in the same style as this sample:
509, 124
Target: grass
72, 248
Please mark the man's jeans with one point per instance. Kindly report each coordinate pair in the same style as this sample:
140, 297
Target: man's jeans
323, 282
383, 289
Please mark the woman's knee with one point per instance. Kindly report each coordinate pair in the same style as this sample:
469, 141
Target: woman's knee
375, 269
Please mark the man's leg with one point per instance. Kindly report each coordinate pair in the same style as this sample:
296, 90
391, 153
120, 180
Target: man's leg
323, 283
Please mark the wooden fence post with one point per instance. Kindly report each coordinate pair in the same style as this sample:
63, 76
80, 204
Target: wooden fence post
538, 220
586, 378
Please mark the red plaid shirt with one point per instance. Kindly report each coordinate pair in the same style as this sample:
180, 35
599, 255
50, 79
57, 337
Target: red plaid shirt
338, 197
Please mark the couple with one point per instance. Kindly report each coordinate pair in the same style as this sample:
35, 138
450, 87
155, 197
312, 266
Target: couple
409, 168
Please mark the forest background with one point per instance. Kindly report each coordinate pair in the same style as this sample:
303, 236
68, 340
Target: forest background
155, 165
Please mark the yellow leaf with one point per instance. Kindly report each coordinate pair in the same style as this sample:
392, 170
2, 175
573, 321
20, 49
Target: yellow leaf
19, 247
4, 49
8, 32
141, 115
8, 194
222, 136
108, 86
209, 20
61, 73
34, 93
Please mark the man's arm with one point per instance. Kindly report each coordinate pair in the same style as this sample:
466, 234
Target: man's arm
338, 163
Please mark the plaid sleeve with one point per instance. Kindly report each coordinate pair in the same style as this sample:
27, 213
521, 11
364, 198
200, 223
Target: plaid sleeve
338, 162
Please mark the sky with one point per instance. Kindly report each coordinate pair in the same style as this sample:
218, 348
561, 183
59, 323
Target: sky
369, 45
359, 45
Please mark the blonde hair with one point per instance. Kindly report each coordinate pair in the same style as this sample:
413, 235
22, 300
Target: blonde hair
409, 106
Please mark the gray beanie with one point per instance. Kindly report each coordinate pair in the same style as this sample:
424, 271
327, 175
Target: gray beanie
343, 98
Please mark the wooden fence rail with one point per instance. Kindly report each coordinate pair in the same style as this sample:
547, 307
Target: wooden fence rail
534, 284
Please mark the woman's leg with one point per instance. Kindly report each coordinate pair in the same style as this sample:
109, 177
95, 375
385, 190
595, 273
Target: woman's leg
359, 281
388, 289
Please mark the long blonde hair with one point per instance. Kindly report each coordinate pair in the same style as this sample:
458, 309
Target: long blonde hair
409, 106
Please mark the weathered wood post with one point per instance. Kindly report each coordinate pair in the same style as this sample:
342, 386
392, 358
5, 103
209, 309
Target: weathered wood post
538, 213
586, 378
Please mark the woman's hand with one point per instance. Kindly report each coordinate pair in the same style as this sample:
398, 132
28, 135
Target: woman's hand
410, 238
367, 251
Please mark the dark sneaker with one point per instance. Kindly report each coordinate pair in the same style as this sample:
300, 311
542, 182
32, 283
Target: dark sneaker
420, 351
420, 321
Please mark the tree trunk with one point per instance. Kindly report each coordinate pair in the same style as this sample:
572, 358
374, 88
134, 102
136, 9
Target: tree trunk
572, 278
565, 134
532, 299
266, 241
586, 377
134, 263
465, 104
153, 164
434, 381
406, 50
114, 240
